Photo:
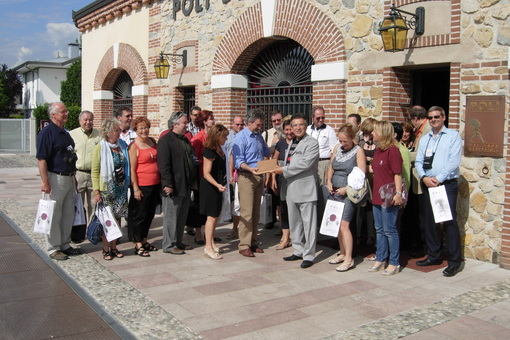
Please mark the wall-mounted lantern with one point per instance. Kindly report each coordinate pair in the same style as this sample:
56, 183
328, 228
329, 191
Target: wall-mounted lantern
394, 28
162, 66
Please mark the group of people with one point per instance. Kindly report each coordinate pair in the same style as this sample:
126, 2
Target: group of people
197, 166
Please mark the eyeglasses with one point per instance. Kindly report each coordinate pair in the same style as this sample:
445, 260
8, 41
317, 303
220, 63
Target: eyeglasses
239, 124
276, 120
319, 118
433, 117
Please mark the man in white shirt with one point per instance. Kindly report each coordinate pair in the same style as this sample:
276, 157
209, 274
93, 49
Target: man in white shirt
192, 127
326, 137
125, 116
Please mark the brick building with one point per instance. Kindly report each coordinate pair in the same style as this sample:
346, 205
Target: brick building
292, 54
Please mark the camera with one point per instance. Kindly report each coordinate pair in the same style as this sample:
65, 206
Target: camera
119, 175
427, 162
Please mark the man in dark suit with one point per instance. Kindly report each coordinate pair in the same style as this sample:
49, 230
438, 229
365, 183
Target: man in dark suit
300, 191
176, 163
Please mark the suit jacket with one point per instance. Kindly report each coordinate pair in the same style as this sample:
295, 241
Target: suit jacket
301, 181
415, 179
176, 163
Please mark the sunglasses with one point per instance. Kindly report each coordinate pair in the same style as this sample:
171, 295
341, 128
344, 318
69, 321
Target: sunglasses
239, 124
319, 118
276, 120
433, 117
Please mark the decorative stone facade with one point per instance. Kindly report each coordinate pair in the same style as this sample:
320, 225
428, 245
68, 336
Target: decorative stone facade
352, 72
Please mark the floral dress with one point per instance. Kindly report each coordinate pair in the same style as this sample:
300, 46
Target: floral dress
116, 195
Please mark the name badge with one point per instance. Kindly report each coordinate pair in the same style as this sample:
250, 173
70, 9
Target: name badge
428, 153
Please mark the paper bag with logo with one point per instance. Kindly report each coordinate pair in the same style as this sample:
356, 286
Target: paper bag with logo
440, 204
110, 226
332, 218
44, 215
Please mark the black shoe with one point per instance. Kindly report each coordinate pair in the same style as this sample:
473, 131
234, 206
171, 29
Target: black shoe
183, 246
428, 262
292, 258
72, 251
190, 231
217, 239
450, 271
269, 226
174, 251
199, 242
306, 264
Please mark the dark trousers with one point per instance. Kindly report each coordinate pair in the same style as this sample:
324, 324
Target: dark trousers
141, 213
451, 229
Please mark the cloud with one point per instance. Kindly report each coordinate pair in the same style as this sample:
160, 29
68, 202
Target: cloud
23, 54
61, 34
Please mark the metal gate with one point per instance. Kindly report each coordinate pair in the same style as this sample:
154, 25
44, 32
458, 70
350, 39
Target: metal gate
280, 79
14, 135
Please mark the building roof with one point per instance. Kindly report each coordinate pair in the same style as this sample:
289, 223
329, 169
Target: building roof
60, 62
90, 8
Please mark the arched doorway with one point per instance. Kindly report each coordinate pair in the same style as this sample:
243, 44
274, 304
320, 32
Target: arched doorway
122, 91
279, 78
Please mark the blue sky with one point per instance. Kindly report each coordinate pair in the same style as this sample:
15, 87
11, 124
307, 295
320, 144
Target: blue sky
36, 29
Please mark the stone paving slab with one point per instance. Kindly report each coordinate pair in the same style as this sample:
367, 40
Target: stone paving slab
191, 296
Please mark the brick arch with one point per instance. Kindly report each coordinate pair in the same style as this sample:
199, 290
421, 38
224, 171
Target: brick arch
128, 59
314, 30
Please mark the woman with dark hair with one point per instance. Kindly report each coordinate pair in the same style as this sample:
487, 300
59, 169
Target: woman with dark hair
145, 186
344, 158
110, 178
205, 121
408, 136
387, 166
212, 185
277, 182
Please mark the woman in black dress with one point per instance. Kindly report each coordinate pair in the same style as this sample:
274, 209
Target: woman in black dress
212, 185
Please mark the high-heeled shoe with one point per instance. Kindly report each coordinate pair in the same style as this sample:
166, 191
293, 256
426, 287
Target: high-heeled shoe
214, 256
345, 266
337, 260
393, 272
283, 245
376, 267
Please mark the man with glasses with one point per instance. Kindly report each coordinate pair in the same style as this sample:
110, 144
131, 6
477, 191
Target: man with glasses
437, 163
273, 135
56, 158
300, 191
326, 136
248, 149
192, 128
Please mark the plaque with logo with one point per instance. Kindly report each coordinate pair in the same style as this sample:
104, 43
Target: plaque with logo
485, 123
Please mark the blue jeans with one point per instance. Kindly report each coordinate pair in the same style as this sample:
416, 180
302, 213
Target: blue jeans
387, 234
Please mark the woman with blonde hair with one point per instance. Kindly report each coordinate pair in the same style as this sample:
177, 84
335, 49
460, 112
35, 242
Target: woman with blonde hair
212, 185
344, 158
387, 167
111, 177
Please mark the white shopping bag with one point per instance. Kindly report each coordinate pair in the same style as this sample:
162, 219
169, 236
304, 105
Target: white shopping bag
225, 214
44, 215
79, 211
440, 204
332, 218
110, 226
266, 213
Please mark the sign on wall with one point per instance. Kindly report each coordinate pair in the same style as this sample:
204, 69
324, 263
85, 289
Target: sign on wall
485, 123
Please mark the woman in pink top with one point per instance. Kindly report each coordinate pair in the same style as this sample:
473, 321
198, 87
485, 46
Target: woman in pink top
145, 187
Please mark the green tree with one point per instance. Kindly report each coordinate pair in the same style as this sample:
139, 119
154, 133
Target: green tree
70, 90
10, 88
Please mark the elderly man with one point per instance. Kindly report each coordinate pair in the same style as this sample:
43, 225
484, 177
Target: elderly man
125, 116
56, 158
248, 149
85, 138
326, 136
192, 127
300, 191
437, 163
273, 135
176, 164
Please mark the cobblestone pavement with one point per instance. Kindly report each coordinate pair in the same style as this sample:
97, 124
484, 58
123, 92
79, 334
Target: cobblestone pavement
190, 296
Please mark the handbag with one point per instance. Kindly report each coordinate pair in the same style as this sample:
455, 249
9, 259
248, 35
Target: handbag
44, 215
359, 196
80, 221
387, 191
332, 218
110, 226
94, 230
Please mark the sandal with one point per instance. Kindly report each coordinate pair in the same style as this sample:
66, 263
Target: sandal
282, 246
149, 247
107, 255
116, 253
339, 259
345, 266
141, 252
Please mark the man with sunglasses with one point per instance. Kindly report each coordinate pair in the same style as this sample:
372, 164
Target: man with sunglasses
326, 136
192, 127
437, 163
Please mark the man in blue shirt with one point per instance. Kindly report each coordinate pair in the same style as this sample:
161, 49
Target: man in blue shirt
249, 148
56, 158
437, 163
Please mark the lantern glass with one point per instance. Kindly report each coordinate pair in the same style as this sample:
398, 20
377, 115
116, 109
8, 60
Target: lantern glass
162, 68
394, 33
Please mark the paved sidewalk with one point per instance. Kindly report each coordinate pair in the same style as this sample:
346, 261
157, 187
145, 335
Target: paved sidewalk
190, 296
